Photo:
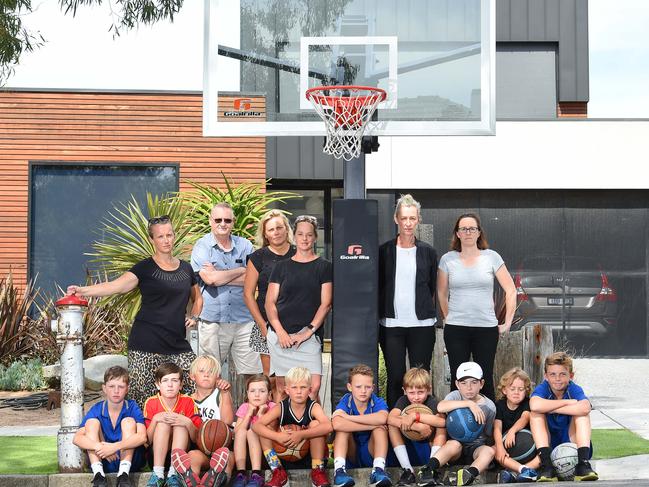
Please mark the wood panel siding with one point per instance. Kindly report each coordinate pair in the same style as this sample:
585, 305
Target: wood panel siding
109, 127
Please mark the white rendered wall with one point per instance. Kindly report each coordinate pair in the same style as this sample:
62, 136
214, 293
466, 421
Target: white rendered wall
578, 154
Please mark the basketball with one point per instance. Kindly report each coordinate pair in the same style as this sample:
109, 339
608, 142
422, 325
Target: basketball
295, 453
462, 426
212, 435
564, 459
524, 449
412, 409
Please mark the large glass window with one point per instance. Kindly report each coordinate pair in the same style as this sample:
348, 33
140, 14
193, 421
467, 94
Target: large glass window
67, 205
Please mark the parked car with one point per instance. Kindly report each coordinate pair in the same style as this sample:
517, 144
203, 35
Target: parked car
572, 295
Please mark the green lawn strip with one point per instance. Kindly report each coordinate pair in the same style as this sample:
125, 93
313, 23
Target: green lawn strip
609, 443
28, 455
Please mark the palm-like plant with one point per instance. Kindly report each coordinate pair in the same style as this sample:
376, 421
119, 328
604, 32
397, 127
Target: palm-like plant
14, 306
249, 202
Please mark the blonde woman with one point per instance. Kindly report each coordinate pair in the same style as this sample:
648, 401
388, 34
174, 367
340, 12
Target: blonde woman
297, 303
275, 241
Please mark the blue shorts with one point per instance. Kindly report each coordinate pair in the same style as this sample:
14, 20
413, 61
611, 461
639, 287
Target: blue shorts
137, 462
418, 453
560, 432
363, 456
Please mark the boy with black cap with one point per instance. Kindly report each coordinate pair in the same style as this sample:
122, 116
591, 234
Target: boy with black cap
476, 453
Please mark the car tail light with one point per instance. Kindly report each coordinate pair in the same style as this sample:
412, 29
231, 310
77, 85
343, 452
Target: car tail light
521, 295
607, 293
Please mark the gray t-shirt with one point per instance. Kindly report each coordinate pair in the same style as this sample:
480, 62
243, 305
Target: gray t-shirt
470, 289
488, 408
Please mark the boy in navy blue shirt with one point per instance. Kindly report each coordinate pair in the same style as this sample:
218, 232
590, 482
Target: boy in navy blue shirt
560, 413
113, 431
360, 421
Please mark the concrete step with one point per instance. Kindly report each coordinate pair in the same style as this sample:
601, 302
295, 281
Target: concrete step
297, 478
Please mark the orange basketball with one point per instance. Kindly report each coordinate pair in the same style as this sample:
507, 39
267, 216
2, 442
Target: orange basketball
212, 435
412, 409
295, 453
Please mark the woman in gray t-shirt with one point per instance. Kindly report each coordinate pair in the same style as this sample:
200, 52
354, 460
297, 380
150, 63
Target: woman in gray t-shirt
465, 281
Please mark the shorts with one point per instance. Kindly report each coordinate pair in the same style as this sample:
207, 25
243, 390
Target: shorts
229, 339
466, 457
139, 459
418, 453
308, 355
558, 436
363, 458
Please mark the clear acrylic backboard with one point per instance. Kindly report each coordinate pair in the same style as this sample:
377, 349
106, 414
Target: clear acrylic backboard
434, 58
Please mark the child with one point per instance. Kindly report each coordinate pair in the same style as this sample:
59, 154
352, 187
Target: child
512, 415
417, 388
258, 391
171, 418
298, 409
214, 401
360, 422
561, 413
112, 432
476, 453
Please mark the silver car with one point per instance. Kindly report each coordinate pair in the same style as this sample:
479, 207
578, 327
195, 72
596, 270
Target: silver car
571, 294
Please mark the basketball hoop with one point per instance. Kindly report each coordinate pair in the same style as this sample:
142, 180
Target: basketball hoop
346, 111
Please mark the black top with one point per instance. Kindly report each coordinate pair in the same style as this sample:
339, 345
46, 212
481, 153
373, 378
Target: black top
288, 417
299, 292
426, 278
264, 261
507, 416
430, 401
159, 325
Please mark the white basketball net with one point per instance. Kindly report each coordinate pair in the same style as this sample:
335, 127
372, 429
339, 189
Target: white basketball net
346, 111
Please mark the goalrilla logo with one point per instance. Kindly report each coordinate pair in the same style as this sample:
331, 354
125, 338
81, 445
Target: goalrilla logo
242, 108
355, 252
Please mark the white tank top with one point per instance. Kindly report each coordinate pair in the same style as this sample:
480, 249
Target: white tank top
209, 408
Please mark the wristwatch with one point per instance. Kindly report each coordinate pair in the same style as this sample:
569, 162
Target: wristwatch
311, 327
194, 318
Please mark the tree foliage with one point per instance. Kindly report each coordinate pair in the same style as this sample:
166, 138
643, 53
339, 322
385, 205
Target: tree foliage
15, 39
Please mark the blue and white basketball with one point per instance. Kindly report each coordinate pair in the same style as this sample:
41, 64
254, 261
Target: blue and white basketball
462, 426
564, 459
524, 449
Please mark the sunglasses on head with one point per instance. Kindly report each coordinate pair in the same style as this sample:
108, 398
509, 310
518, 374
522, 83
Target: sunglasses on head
222, 220
159, 219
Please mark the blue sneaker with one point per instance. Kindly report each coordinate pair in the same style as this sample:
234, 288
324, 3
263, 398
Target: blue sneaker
343, 479
175, 481
506, 477
240, 480
155, 481
378, 478
527, 475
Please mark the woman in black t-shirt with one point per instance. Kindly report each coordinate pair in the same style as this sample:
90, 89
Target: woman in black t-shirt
297, 303
275, 239
158, 334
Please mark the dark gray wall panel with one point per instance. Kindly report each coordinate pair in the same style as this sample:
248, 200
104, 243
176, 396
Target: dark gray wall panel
300, 158
562, 21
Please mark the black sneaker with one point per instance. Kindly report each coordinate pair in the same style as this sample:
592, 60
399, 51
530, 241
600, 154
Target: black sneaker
427, 477
465, 477
584, 472
99, 480
123, 480
407, 478
547, 474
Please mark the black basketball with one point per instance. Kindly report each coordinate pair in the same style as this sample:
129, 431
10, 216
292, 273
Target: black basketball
524, 449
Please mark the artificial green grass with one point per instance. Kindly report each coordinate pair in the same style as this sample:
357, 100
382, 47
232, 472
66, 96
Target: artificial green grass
617, 443
28, 455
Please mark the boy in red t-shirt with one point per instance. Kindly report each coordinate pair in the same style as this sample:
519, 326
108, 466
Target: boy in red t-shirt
171, 420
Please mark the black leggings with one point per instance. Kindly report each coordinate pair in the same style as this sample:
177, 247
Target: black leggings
417, 341
462, 342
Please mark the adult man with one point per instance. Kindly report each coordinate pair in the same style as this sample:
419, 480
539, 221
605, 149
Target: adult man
219, 259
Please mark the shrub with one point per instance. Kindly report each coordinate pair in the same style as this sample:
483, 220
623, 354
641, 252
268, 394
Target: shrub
14, 306
23, 375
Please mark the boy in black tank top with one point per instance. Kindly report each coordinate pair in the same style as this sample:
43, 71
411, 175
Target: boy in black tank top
297, 409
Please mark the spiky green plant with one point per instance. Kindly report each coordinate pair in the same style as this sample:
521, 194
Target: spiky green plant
14, 306
249, 202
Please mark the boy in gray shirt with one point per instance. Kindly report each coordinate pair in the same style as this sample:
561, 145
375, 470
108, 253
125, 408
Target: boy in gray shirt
475, 453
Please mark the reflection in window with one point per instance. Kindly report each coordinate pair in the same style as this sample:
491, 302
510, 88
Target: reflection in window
68, 203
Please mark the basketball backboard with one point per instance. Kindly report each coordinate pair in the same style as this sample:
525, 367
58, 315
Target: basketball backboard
435, 59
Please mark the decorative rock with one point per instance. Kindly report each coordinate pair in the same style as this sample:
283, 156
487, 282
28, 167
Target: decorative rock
93, 369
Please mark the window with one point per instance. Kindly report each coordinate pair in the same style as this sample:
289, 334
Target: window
67, 206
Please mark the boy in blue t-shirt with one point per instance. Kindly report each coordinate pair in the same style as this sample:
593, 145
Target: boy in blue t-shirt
560, 413
113, 431
360, 422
